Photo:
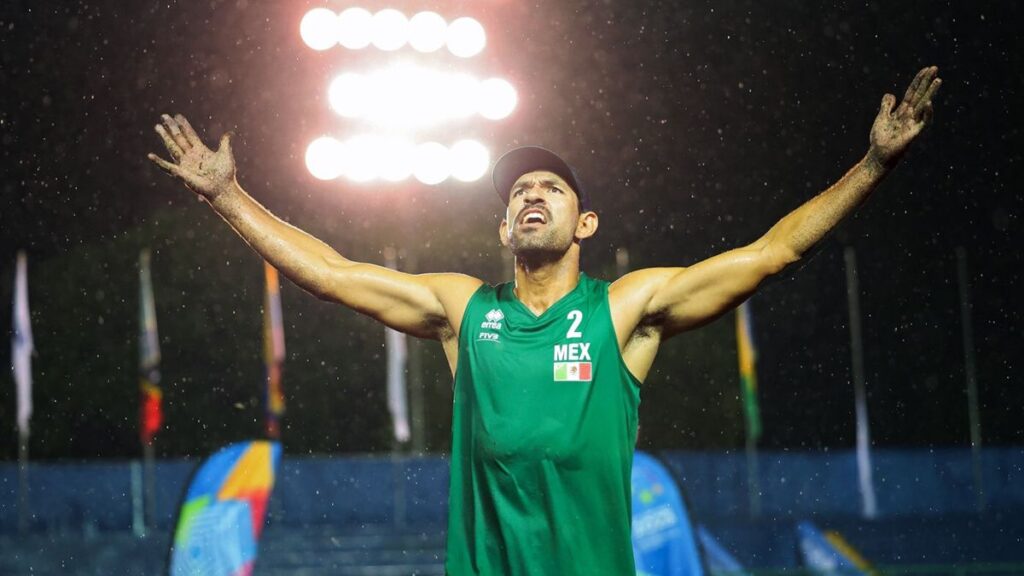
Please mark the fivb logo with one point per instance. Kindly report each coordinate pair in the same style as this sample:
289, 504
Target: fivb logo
493, 320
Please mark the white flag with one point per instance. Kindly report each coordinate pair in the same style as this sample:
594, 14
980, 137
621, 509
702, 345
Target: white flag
22, 347
397, 351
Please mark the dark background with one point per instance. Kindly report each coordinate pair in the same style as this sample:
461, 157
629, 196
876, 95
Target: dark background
696, 125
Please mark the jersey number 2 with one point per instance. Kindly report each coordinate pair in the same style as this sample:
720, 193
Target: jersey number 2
576, 317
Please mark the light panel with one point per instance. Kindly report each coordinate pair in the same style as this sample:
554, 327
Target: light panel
323, 158
411, 97
465, 37
354, 28
432, 163
497, 99
469, 160
369, 158
427, 32
389, 29
319, 29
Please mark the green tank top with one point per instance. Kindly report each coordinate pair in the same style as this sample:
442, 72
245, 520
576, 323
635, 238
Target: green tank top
544, 427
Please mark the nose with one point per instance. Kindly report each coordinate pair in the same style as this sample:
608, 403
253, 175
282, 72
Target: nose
532, 195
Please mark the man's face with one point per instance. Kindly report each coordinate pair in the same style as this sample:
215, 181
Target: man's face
542, 217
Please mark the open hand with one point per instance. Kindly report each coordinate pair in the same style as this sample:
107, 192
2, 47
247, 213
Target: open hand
895, 128
204, 171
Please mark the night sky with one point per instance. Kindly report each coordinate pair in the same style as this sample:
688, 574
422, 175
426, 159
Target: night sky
694, 125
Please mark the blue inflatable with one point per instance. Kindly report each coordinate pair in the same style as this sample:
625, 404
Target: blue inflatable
663, 536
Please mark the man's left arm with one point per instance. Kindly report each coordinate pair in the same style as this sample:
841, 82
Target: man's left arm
678, 299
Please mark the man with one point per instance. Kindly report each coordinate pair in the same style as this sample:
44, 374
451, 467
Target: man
547, 369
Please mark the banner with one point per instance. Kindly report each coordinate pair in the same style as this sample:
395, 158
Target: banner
22, 347
829, 553
150, 396
663, 537
747, 353
273, 350
223, 512
397, 353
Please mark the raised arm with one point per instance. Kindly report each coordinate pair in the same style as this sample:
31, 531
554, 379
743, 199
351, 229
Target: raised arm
426, 305
671, 300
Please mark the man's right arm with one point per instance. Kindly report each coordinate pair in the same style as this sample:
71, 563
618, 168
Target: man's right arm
425, 305
422, 305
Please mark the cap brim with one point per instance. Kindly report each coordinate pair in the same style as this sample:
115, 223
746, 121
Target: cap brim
526, 159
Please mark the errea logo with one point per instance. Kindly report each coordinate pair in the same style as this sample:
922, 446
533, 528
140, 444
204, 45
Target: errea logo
493, 320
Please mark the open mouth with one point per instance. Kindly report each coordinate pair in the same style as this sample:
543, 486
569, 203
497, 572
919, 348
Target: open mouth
533, 216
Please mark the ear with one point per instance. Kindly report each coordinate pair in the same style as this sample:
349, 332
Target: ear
503, 232
586, 225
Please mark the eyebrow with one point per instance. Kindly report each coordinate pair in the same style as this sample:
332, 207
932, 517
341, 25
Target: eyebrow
548, 182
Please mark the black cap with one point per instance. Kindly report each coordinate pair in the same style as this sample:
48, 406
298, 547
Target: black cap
526, 159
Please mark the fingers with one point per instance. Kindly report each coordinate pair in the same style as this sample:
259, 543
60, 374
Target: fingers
179, 137
169, 167
225, 143
932, 89
927, 112
187, 130
908, 97
926, 76
888, 102
172, 146
926, 98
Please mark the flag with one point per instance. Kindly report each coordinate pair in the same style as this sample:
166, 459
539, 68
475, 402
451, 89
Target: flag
150, 395
22, 347
747, 353
397, 352
573, 371
273, 350
223, 512
829, 553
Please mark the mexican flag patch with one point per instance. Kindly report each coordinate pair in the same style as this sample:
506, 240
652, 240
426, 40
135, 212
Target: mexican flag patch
572, 372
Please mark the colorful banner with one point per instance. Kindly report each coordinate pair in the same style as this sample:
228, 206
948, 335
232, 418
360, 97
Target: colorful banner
663, 537
223, 512
829, 553
22, 347
747, 353
150, 396
273, 350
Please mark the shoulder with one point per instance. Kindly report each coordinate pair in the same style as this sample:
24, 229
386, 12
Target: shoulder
636, 289
454, 292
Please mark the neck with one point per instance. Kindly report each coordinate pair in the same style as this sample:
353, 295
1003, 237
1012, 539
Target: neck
541, 284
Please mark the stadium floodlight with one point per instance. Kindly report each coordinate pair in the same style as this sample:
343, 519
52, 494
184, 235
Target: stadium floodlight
349, 96
389, 29
432, 163
371, 157
465, 37
394, 99
427, 31
469, 160
409, 97
398, 158
324, 158
354, 28
461, 93
362, 158
497, 99
319, 28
